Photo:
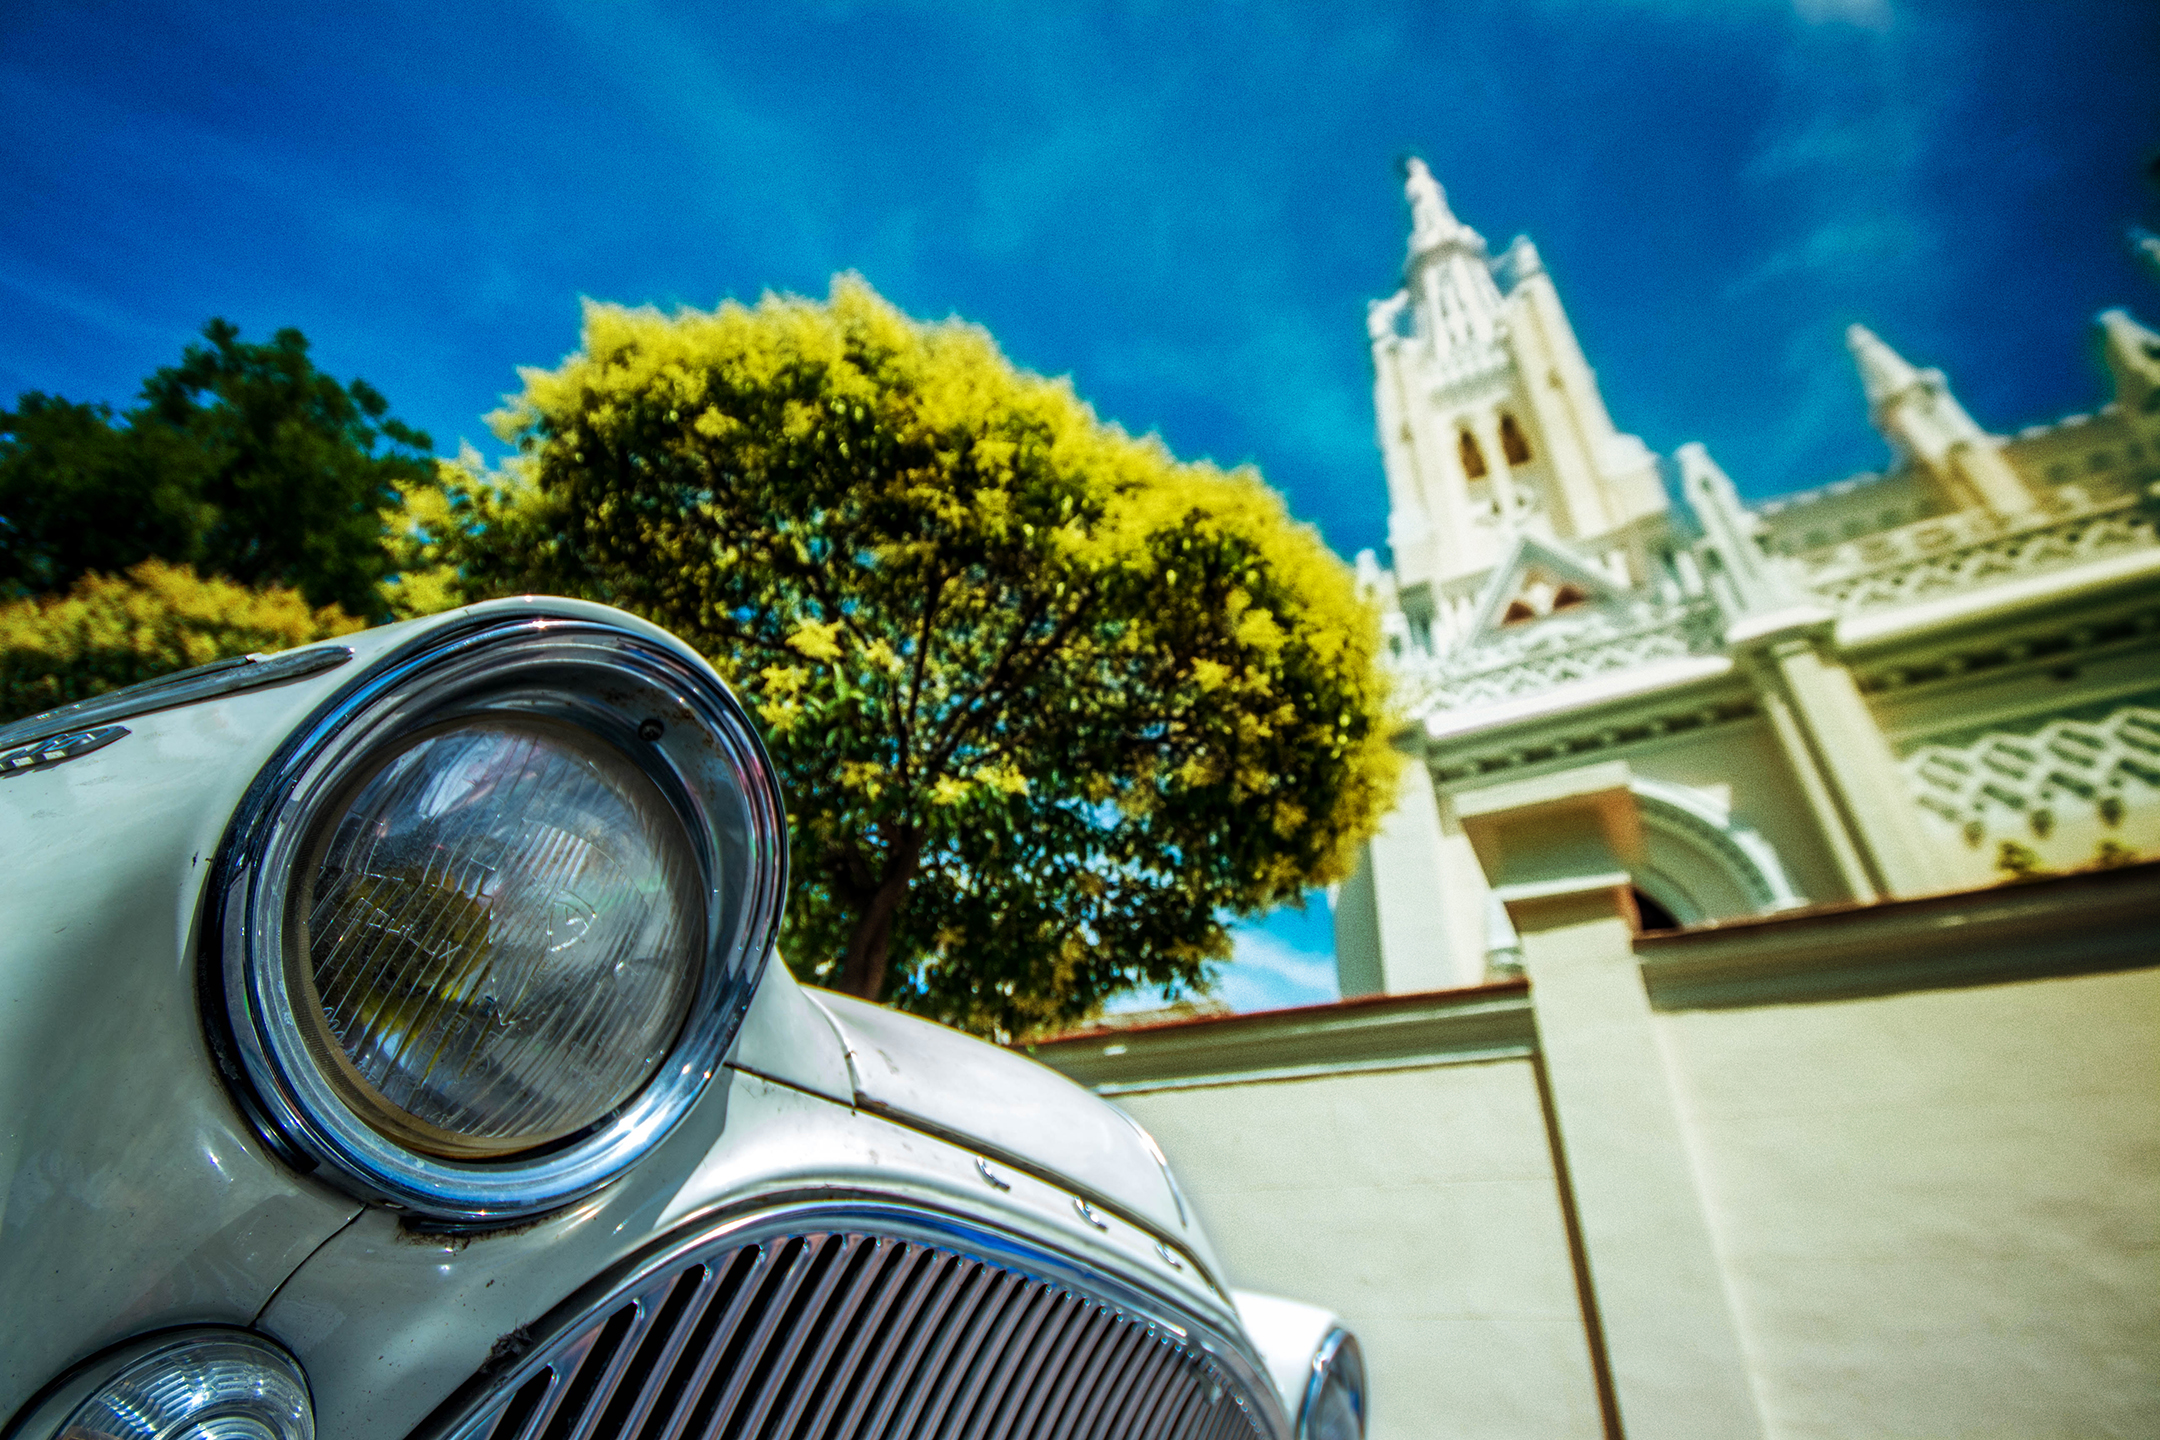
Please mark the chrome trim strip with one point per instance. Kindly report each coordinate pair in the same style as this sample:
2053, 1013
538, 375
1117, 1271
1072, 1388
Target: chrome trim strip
182, 687
1072, 1185
759, 1284
707, 759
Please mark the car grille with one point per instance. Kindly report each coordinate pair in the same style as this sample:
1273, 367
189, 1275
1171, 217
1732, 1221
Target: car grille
834, 1334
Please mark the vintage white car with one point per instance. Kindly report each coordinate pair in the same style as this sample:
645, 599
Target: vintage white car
391, 1046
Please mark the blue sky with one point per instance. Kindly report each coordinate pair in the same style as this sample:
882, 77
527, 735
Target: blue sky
1182, 205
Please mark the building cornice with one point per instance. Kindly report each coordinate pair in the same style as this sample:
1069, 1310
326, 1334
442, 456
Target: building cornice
1988, 607
1380, 1032
2091, 922
1446, 727
2088, 923
1709, 697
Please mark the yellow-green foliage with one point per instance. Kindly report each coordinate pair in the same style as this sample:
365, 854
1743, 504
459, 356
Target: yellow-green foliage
112, 631
1049, 704
445, 525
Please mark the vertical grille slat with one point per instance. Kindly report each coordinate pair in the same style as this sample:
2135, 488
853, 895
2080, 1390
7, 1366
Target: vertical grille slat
780, 1367
566, 1364
973, 1343
1130, 1351
588, 1393
716, 1325
890, 1369
748, 1346
1030, 1392
1104, 1367
928, 1364
655, 1356
1045, 1306
848, 1334
1175, 1408
1102, 1357
859, 1288
898, 1282
521, 1416
1143, 1369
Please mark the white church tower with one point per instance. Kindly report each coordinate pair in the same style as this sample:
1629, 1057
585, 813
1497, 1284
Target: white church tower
1772, 705
1491, 427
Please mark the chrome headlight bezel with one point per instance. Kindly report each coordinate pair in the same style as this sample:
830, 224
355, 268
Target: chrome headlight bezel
698, 748
1338, 1366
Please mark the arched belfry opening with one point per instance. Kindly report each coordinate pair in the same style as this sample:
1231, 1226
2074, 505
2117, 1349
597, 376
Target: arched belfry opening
1473, 459
1513, 446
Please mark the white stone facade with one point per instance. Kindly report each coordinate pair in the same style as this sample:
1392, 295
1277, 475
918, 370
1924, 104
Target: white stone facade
1851, 694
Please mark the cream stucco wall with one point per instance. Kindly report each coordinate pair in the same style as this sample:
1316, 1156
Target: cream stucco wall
1421, 1205
1938, 1212
1907, 1155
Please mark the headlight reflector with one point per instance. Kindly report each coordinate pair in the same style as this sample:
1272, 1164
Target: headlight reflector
495, 942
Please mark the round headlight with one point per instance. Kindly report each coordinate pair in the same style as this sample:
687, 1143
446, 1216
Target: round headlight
491, 917
494, 943
200, 1384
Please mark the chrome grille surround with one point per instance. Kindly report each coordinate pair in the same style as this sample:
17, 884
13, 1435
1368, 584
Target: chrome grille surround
838, 1319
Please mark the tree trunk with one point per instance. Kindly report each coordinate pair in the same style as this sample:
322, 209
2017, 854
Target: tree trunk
862, 970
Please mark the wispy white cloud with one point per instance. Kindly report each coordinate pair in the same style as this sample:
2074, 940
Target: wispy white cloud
1277, 961
1867, 14
1848, 247
1268, 973
1863, 113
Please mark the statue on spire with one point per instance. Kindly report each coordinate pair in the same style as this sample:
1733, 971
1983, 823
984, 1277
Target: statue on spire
1430, 219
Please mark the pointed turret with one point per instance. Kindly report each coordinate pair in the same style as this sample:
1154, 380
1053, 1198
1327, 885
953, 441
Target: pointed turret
1754, 581
1924, 423
1521, 262
2132, 353
1884, 372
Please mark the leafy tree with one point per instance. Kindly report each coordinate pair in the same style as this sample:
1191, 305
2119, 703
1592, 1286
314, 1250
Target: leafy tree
111, 631
1047, 703
80, 492
243, 461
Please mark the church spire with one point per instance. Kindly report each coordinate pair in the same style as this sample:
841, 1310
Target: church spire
2132, 353
1884, 372
1923, 422
1432, 224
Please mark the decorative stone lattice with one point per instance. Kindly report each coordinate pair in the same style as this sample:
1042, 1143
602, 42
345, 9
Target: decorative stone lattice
2105, 767
1541, 655
1971, 549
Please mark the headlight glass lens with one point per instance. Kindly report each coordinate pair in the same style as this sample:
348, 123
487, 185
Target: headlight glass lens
496, 938
224, 1388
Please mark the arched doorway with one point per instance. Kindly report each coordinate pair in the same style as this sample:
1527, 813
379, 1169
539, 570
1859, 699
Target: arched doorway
1699, 864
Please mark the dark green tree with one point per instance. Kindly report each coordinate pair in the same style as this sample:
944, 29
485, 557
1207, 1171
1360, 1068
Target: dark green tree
243, 460
82, 492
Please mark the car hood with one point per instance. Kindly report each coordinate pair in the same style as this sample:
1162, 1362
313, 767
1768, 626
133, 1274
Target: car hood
1014, 1111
